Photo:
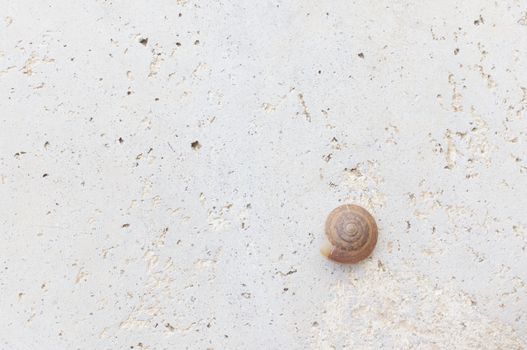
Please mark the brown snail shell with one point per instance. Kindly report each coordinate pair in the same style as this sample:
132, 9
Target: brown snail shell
351, 234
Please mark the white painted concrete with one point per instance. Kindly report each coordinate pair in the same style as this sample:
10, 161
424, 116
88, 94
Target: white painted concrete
117, 233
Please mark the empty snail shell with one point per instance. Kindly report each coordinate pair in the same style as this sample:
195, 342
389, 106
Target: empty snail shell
351, 234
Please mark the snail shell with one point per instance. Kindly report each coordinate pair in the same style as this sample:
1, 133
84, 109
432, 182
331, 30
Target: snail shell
351, 234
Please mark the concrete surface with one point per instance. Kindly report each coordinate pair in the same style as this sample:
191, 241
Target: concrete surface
166, 168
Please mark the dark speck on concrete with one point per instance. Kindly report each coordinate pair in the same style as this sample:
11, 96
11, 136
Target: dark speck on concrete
479, 21
195, 145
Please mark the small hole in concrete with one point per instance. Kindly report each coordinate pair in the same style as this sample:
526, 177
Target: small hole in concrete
195, 145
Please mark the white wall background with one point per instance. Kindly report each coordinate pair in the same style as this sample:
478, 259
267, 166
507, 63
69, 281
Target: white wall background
117, 234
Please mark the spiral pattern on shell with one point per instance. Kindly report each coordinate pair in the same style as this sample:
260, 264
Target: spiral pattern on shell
351, 232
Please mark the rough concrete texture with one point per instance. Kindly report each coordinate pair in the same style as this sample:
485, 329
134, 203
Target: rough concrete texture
166, 168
